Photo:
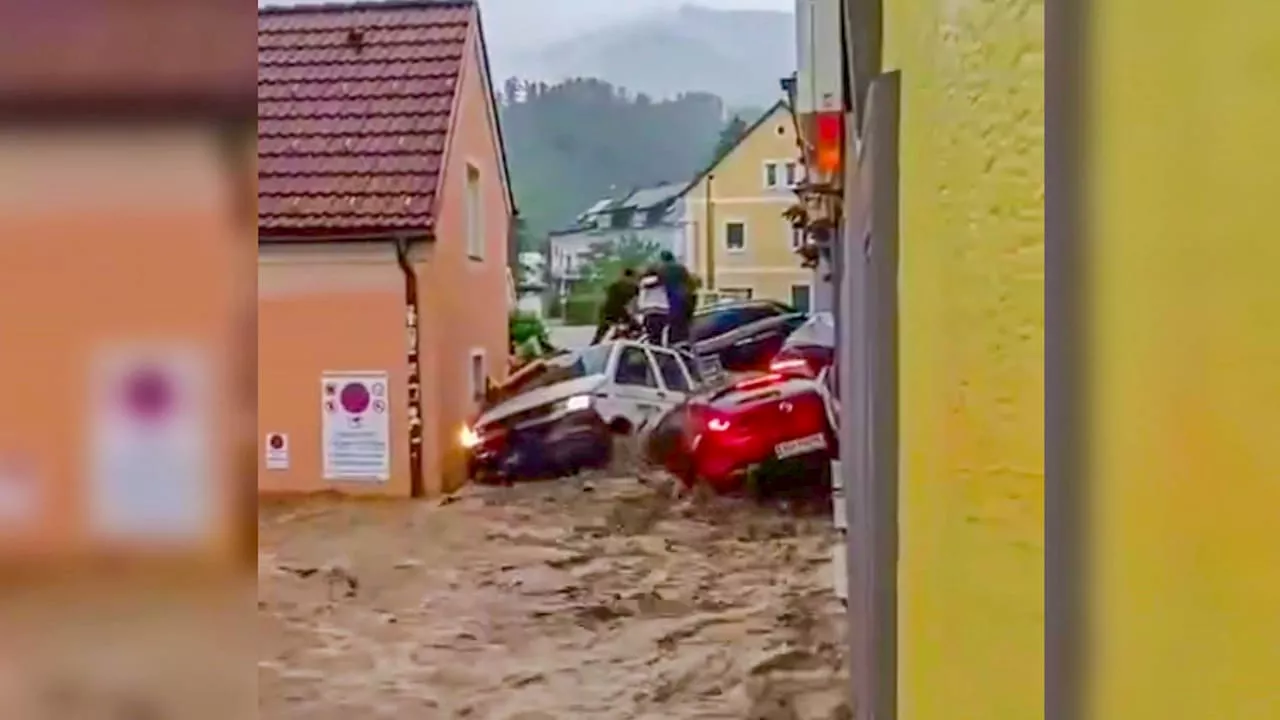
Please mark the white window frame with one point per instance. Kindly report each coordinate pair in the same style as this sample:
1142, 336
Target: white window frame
746, 236
764, 175
794, 167
799, 236
477, 393
475, 212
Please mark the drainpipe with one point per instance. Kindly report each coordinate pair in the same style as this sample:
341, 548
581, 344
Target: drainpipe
414, 383
709, 282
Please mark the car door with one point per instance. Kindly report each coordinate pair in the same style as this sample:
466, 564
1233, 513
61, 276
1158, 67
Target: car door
638, 395
675, 377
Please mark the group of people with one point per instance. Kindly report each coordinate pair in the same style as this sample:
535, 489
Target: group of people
661, 297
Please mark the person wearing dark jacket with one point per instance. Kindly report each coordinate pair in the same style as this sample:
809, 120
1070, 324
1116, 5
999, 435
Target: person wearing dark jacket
680, 291
617, 297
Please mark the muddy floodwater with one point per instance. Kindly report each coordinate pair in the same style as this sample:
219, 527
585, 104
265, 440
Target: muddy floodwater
577, 599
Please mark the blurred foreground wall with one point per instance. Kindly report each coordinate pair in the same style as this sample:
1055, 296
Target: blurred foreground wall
1186, 357
971, 574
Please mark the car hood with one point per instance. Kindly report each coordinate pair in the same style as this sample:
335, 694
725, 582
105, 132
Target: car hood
541, 396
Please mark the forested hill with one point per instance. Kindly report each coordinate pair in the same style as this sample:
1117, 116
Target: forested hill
571, 143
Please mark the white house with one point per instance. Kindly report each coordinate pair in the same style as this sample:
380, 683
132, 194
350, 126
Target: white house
531, 284
650, 214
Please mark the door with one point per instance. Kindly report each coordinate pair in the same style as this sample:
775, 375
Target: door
675, 377
638, 396
801, 297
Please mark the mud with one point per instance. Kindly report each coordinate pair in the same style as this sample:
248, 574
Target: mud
609, 598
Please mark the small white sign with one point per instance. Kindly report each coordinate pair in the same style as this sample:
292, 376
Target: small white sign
840, 571
19, 495
277, 451
150, 466
839, 509
355, 426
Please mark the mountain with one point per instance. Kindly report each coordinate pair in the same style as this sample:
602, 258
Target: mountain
736, 54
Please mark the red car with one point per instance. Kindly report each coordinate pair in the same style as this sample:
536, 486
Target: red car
809, 349
718, 436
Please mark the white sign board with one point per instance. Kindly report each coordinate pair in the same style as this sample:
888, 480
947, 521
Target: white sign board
151, 474
19, 495
277, 451
355, 426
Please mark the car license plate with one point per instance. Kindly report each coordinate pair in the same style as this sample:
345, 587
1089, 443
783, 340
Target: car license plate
800, 446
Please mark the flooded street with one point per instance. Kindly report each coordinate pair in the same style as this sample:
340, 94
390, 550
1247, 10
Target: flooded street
580, 598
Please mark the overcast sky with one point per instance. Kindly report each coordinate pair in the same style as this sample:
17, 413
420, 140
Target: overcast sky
516, 24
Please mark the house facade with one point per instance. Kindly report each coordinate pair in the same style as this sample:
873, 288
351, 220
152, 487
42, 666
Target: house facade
653, 215
384, 220
736, 207
124, 216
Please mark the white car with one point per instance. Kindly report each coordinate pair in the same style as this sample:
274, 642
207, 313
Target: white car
560, 417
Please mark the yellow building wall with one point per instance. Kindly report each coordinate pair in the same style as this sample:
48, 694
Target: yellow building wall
767, 265
1187, 299
971, 572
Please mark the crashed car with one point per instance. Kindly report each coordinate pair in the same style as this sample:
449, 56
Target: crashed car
721, 434
809, 349
742, 335
560, 416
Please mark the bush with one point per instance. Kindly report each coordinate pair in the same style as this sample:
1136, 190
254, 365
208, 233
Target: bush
522, 327
582, 310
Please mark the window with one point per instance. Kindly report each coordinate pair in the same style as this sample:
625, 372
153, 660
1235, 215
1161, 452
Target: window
475, 215
479, 375
672, 371
793, 177
718, 321
798, 237
691, 364
771, 175
801, 297
738, 293
735, 236
635, 369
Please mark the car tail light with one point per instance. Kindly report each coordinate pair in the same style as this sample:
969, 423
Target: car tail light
790, 365
759, 381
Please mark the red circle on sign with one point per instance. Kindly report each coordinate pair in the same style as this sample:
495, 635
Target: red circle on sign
148, 394
276, 442
354, 398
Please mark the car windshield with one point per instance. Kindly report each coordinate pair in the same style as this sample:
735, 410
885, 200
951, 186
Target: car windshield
554, 370
716, 321
819, 329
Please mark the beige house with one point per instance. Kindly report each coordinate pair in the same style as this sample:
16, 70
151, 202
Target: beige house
735, 205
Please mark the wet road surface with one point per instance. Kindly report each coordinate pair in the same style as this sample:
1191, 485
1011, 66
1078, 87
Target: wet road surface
576, 599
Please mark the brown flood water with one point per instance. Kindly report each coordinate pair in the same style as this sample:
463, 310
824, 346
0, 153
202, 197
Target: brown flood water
578, 599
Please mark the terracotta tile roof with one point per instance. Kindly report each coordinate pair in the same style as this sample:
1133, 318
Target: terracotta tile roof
354, 106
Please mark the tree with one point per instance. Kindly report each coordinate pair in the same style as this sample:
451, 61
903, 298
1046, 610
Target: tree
729, 137
605, 261
567, 144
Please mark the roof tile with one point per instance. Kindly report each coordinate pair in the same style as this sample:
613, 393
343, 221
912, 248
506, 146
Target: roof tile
353, 112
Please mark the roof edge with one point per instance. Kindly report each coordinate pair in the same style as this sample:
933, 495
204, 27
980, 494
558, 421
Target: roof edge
318, 234
345, 7
764, 116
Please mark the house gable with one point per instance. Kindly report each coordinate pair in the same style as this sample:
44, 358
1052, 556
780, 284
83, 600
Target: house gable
354, 109
718, 163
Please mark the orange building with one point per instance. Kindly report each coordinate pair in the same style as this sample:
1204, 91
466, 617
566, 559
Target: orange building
384, 218
124, 227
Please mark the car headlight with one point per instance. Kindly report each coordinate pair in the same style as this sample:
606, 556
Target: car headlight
468, 437
576, 403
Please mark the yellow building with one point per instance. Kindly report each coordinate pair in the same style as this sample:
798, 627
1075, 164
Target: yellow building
971, 352
741, 198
